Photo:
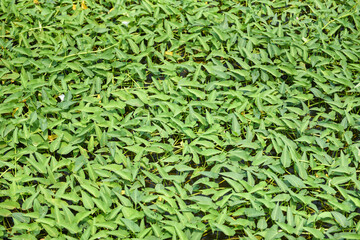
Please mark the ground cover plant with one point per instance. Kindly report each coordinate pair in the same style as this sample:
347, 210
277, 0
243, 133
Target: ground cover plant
179, 119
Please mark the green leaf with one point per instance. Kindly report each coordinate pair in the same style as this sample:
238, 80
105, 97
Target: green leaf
235, 127
315, 232
341, 219
5, 212
180, 233
295, 181
225, 229
277, 214
270, 69
131, 225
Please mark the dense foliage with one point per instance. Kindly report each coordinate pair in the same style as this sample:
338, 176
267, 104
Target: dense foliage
164, 119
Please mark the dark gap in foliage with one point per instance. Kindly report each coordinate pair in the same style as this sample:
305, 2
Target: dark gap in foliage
9, 223
214, 235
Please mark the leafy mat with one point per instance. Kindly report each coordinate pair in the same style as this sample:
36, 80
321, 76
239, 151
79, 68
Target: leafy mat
179, 119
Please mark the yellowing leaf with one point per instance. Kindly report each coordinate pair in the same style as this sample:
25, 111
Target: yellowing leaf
169, 53
14, 111
74, 7
52, 137
83, 5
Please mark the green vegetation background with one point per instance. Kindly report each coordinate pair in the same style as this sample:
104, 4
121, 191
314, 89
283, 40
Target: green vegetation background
179, 119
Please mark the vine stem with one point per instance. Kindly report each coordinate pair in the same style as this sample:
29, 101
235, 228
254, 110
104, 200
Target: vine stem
100, 50
345, 15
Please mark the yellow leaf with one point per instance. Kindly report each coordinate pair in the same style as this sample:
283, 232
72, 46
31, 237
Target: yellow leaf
14, 111
83, 5
74, 7
52, 137
169, 53
110, 10
36, 2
